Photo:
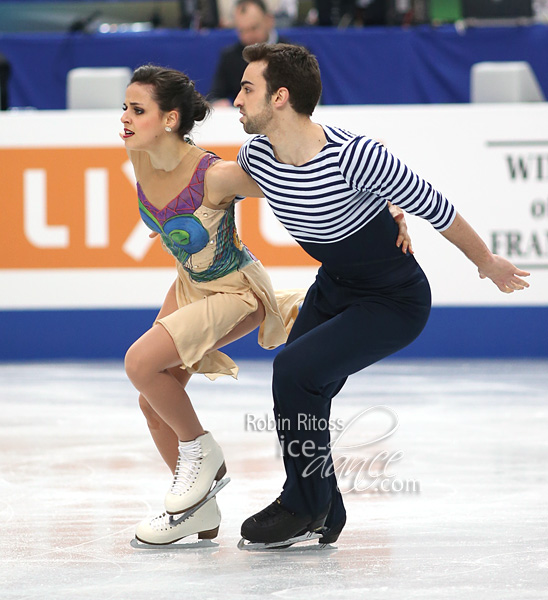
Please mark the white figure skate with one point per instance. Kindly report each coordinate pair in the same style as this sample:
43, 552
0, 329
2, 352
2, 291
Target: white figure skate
166, 529
163, 530
200, 463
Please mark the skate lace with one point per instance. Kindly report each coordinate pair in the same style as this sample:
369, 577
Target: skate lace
188, 466
163, 521
160, 521
272, 510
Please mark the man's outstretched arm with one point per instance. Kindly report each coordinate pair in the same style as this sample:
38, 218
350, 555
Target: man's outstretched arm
505, 275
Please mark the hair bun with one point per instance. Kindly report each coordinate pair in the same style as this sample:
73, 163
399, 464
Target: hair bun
201, 107
173, 90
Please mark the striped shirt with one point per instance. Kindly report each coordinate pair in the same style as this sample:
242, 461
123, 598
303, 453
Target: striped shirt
342, 188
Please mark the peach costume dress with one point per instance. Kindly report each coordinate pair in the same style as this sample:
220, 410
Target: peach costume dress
219, 280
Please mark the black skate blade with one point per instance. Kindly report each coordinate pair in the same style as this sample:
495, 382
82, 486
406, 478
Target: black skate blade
217, 487
177, 546
289, 544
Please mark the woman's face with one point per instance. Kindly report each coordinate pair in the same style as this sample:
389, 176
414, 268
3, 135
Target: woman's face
144, 122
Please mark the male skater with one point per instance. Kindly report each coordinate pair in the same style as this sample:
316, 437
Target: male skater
330, 189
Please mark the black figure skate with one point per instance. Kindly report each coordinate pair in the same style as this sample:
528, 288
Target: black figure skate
276, 527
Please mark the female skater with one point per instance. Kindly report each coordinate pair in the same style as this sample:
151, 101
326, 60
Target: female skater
186, 195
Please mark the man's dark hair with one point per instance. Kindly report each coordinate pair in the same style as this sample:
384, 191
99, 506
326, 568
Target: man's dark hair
292, 67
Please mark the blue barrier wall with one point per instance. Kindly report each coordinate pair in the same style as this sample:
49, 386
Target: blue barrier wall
359, 66
463, 332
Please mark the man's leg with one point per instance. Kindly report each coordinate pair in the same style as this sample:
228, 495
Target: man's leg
310, 369
311, 315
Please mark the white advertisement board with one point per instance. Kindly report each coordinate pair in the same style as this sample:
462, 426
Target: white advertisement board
71, 228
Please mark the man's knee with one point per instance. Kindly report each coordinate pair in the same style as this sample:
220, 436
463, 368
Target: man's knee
291, 369
283, 363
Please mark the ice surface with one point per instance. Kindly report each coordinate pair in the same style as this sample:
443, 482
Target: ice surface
78, 470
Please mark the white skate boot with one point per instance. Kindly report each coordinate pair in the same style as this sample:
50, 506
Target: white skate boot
167, 529
200, 463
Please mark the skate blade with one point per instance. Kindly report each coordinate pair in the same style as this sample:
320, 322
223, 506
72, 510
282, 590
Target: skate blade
178, 546
217, 487
288, 544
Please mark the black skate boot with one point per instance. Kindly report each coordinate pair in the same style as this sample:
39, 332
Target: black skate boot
335, 522
331, 534
277, 527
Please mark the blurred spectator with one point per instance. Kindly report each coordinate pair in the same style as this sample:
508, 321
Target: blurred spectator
198, 14
254, 24
4, 76
372, 12
343, 13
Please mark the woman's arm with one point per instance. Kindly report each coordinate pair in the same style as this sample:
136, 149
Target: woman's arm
501, 271
226, 179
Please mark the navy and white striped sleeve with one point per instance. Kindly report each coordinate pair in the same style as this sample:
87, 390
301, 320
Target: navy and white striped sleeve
243, 161
243, 156
367, 165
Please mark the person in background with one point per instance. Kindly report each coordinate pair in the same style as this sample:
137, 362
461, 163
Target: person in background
344, 13
254, 25
4, 77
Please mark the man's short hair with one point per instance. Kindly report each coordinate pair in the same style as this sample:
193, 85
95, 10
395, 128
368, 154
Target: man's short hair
292, 67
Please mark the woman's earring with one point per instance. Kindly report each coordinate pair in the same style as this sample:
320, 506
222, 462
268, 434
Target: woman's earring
168, 129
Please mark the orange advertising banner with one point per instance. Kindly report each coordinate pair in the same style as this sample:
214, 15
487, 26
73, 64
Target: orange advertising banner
77, 208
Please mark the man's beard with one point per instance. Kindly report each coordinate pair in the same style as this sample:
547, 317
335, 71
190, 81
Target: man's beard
258, 123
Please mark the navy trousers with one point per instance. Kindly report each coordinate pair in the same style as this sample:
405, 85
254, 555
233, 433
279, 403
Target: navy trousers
352, 316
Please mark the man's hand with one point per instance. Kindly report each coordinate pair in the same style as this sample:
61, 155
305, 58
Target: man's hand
403, 240
500, 271
504, 275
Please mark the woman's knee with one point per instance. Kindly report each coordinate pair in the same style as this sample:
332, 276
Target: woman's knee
135, 364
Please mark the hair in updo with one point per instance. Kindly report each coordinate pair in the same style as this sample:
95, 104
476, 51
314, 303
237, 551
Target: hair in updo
173, 90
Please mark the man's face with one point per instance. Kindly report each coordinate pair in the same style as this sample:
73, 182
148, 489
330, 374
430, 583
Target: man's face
252, 24
254, 105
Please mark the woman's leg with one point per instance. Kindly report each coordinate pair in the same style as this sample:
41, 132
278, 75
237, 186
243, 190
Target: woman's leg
152, 364
148, 365
165, 439
163, 435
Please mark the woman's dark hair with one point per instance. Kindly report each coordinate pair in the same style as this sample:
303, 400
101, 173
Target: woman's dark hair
292, 67
173, 90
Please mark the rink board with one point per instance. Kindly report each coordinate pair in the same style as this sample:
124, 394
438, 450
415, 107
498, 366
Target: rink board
461, 332
79, 277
